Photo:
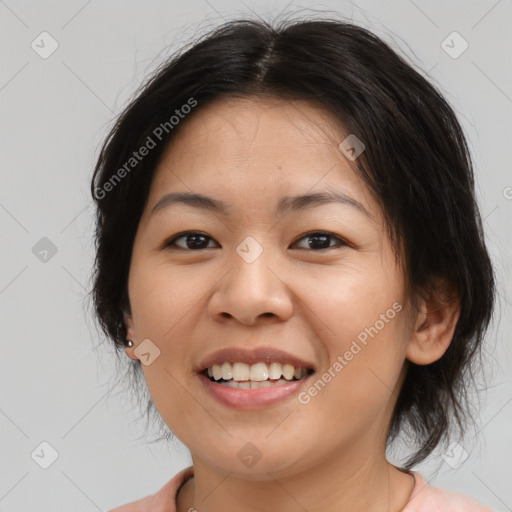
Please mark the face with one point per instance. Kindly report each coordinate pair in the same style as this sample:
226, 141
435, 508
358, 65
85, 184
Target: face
316, 280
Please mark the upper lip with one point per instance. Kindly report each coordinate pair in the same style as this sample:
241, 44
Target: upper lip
256, 355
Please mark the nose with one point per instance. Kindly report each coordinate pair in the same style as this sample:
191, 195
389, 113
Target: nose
252, 290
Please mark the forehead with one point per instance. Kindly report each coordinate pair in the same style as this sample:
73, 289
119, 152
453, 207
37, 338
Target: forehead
258, 147
252, 118
239, 125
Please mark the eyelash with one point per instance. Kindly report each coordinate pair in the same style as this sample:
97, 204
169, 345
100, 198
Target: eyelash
170, 244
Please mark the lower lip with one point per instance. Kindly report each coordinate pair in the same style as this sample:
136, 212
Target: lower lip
251, 398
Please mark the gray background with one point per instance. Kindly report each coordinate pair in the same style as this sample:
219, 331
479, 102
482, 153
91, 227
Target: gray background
57, 374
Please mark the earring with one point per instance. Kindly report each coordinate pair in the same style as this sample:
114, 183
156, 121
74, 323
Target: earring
128, 343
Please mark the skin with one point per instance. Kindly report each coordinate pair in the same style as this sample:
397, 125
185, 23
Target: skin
328, 455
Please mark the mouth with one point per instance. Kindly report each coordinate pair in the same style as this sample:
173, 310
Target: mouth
254, 376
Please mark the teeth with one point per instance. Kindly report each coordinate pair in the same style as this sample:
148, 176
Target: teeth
252, 385
288, 371
274, 371
217, 372
240, 371
225, 371
259, 372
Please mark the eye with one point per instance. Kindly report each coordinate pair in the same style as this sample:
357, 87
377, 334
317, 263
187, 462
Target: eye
194, 240
320, 240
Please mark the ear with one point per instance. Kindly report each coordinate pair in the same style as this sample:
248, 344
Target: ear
439, 311
130, 335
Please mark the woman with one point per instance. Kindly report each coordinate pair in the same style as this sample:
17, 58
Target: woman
289, 248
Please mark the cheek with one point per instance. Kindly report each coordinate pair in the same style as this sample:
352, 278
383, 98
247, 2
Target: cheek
361, 379
364, 334
161, 296
161, 303
351, 301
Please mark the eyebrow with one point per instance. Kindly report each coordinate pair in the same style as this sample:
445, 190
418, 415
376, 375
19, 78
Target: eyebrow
285, 205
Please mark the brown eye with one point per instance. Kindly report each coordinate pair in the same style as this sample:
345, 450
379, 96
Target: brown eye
193, 240
319, 240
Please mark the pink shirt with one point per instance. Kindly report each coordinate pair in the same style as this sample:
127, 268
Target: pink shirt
424, 498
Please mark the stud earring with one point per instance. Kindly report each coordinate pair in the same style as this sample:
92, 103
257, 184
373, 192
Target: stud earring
128, 343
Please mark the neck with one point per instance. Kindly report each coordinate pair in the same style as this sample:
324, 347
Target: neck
358, 484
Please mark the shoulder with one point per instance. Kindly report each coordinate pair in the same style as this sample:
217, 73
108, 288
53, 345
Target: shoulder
162, 501
426, 498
